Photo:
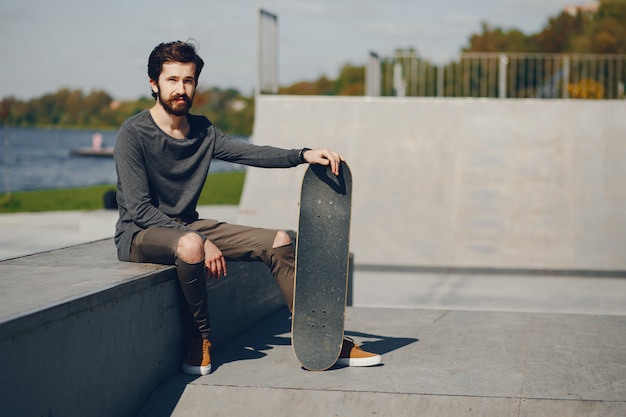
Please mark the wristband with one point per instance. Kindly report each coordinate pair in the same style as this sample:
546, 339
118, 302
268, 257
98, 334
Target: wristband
301, 154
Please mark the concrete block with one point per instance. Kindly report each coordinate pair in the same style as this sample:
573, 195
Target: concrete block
84, 334
102, 360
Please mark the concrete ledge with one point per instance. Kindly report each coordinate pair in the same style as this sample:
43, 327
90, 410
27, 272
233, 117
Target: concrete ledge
84, 334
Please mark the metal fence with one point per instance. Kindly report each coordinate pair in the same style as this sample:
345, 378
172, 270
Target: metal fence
510, 75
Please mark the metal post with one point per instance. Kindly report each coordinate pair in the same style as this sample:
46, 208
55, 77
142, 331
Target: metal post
398, 81
565, 76
440, 80
259, 59
504, 61
267, 55
373, 76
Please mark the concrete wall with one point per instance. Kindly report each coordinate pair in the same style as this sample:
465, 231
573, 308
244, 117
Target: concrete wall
459, 182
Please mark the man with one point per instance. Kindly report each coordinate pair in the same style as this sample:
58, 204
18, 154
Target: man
162, 158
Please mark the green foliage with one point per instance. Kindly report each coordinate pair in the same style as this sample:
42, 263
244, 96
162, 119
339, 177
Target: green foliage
495, 39
351, 82
227, 109
66, 108
321, 87
69, 109
602, 32
608, 34
561, 33
220, 188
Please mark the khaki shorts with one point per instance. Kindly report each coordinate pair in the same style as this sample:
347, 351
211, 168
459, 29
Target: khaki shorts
237, 243
242, 243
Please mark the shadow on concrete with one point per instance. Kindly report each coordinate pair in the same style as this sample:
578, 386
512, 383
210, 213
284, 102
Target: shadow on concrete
166, 396
255, 344
276, 331
383, 344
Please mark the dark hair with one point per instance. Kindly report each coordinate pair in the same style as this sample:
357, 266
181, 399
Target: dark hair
183, 52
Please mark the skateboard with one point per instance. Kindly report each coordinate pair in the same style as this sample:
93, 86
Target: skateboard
322, 255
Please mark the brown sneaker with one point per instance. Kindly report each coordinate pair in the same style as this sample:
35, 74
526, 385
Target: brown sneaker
352, 355
198, 359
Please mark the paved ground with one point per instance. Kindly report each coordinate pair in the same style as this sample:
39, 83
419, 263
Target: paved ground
435, 363
453, 343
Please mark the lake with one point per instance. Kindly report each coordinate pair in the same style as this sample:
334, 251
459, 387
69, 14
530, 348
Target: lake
37, 159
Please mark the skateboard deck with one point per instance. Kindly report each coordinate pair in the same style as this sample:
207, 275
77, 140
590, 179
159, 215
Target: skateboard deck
322, 254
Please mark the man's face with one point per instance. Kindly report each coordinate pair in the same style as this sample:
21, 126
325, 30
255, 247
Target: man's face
176, 87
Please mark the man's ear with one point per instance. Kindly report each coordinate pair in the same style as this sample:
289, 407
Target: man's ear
154, 86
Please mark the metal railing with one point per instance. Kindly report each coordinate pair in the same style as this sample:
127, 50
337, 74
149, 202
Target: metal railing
499, 75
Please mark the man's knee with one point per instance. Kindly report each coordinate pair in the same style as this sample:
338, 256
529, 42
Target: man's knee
281, 239
190, 248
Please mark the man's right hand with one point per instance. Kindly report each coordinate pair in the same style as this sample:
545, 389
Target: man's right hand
214, 261
324, 157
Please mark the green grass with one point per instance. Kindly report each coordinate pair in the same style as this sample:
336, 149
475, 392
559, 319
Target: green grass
220, 189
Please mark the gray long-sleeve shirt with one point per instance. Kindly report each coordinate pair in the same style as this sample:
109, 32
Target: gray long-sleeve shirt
160, 178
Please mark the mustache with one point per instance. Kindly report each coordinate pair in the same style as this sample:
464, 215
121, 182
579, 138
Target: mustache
183, 96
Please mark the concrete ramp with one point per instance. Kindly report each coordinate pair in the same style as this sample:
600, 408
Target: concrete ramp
514, 184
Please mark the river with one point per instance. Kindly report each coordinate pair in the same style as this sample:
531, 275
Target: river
37, 159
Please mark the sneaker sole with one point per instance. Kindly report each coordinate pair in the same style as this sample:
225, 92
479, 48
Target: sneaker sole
371, 361
196, 370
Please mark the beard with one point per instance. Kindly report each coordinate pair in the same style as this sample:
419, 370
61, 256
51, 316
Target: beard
172, 106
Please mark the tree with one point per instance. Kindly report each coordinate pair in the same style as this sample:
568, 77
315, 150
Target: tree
558, 35
71, 108
351, 81
495, 39
586, 31
609, 29
228, 109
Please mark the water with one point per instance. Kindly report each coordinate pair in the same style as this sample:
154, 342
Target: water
37, 159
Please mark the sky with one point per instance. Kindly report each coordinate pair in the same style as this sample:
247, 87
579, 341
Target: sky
83, 44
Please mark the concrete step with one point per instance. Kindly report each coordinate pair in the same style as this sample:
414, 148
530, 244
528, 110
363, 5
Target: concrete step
435, 363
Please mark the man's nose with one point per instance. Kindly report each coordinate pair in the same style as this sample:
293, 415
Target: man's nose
180, 87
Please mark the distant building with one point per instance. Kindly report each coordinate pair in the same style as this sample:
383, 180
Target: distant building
589, 8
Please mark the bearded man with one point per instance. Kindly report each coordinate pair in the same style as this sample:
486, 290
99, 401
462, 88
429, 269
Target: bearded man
162, 158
